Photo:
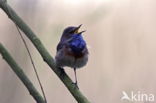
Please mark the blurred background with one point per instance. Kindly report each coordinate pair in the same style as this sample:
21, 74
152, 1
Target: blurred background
121, 35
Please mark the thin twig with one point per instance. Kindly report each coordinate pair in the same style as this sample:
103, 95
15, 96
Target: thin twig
32, 62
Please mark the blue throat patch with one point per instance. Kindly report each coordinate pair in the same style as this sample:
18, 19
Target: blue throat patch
77, 43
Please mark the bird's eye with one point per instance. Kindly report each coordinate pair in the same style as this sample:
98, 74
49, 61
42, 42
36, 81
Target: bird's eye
71, 31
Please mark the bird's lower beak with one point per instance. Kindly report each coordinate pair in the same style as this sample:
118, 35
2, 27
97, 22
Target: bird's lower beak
77, 30
81, 32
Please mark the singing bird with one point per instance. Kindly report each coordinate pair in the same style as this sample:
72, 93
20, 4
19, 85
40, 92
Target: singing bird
72, 50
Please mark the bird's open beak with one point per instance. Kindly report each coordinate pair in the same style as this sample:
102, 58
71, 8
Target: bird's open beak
77, 30
81, 32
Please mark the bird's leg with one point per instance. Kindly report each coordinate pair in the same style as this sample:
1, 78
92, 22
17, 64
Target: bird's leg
76, 84
75, 76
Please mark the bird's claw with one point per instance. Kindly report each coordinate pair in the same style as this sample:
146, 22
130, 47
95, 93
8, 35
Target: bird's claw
75, 85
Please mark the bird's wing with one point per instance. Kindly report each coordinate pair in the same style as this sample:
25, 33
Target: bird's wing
63, 43
59, 46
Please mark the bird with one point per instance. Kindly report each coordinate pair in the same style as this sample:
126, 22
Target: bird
72, 50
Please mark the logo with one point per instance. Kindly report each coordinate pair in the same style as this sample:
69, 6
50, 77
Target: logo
137, 97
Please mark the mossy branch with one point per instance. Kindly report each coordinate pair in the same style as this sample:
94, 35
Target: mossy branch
43, 52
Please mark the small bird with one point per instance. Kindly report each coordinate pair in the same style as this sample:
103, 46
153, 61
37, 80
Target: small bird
72, 50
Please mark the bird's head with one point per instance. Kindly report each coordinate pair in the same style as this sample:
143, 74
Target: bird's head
70, 31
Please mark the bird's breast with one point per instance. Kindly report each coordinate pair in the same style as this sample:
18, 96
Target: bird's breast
66, 57
76, 55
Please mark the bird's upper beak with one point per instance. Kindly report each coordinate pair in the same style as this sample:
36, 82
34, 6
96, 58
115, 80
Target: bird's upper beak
77, 30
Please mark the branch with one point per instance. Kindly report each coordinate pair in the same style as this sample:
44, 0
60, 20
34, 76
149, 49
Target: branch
19, 72
44, 53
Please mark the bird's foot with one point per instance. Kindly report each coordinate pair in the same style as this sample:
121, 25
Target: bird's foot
75, 85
